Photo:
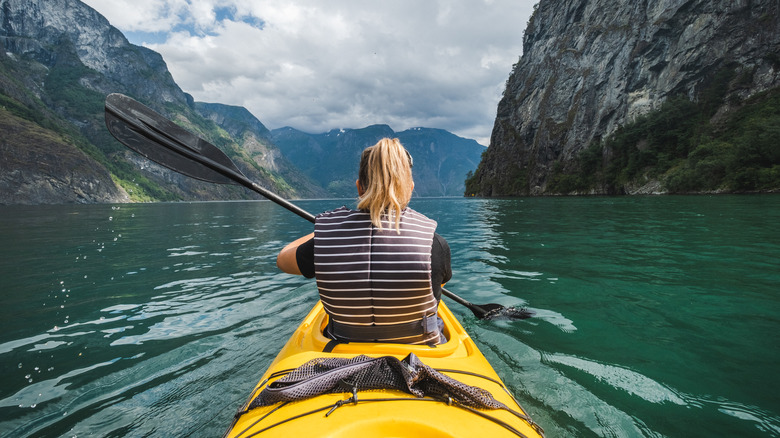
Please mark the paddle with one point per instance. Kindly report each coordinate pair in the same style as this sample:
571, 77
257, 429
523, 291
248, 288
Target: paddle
490, 310
155, 137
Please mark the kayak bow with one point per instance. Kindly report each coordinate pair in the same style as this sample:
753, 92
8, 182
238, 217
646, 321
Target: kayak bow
385, 412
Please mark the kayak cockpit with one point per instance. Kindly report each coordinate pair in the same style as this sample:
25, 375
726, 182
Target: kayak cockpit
312, 338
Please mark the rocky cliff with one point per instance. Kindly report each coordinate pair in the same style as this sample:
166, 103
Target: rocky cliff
41, 166
590, 67
59, 60
45, 31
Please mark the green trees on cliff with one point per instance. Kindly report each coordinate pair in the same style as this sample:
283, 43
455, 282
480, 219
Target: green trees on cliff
685, 146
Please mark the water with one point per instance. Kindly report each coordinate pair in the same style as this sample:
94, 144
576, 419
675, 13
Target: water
656, 316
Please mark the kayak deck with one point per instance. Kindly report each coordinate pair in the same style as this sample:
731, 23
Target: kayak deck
384, 412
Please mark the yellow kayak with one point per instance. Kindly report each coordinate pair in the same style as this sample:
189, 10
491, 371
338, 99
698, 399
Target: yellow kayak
383, 412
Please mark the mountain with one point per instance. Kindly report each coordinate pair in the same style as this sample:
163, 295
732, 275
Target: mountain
58, 61
640, 97
442, 160
256, 143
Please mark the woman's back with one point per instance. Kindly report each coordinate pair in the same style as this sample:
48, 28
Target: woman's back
372, 277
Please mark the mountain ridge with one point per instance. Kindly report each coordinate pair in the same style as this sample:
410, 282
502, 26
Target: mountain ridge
442, 160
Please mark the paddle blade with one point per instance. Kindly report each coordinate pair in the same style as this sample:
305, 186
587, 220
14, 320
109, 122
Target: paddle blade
155, 137
501, 312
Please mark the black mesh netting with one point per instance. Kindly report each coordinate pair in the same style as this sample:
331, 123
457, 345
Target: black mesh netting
331, 375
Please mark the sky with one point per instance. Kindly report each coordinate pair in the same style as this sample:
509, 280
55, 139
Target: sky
322, 65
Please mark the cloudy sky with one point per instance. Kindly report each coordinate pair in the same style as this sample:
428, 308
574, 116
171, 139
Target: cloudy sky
320, 65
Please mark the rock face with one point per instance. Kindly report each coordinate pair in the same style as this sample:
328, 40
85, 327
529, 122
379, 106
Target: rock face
37, 166
59, 60
590, 66
33, 27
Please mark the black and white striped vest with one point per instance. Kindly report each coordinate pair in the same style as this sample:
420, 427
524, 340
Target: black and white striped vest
376, 285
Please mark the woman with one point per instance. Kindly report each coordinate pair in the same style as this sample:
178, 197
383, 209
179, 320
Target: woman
379, 268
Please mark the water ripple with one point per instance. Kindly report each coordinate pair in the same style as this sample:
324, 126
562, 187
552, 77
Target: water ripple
619, 377
46, 390
762, 419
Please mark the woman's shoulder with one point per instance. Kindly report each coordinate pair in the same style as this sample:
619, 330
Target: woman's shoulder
334, 211
341, 211
414, 214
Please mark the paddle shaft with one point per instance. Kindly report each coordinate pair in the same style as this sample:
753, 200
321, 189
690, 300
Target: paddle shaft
478, 311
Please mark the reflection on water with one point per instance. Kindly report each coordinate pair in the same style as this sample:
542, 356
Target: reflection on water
654, 316
619, 378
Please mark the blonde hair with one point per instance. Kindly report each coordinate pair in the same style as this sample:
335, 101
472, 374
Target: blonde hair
385, 177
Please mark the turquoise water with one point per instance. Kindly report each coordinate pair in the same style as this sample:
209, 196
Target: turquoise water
655, 316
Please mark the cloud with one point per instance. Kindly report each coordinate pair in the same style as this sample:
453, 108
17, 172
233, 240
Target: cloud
319, 65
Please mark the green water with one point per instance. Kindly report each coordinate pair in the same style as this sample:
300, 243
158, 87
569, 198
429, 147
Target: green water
655, 316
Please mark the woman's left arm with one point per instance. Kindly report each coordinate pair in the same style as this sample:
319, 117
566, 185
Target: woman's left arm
286, 260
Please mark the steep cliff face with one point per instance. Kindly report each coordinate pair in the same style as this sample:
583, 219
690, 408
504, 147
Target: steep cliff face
59, 60
591, 66
33, 28
37, 164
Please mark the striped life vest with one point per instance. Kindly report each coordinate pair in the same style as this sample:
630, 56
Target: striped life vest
376, 285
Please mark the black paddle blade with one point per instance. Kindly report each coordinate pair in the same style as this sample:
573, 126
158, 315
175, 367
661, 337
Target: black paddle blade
495, 311
490, 310
155, 137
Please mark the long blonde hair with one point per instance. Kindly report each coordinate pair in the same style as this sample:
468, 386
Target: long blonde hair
385, 177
